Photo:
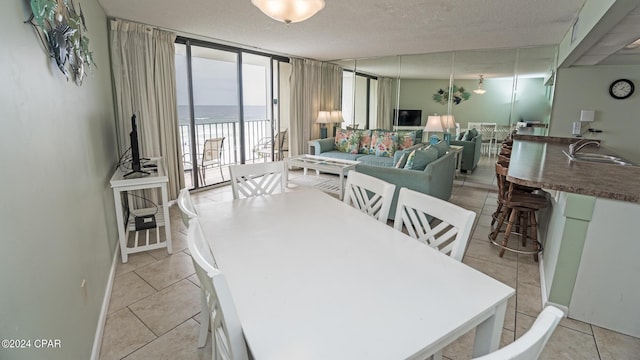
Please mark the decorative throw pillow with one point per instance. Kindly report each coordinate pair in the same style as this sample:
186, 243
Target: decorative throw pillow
374, 140
347, 141
471, 134
401, 162
461, 135
423, 158
386, 144
410, 159
406, 139
441, 147
365, 142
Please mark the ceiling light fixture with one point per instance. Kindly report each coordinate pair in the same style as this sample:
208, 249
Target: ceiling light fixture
480, 90
289, 11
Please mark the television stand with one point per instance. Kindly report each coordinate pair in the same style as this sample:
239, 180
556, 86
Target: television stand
136, 171
142, 239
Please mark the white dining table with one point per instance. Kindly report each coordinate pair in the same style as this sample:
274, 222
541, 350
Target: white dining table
313, 278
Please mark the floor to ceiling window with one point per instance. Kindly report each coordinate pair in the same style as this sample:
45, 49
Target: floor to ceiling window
227, 108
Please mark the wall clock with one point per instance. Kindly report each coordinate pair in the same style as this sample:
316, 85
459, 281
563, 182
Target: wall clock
621, 89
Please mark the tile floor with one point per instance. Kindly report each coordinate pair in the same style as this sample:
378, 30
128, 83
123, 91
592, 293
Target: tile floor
155, 303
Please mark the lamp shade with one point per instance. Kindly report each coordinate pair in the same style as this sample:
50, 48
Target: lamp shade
336, 116
448, 121
324, 117
289, 11
434, 124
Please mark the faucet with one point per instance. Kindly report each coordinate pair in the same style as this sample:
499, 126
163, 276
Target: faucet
578, 145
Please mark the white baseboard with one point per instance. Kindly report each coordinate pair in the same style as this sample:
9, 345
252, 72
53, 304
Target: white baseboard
102, 319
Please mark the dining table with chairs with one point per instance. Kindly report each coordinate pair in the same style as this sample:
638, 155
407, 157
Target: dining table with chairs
314, 278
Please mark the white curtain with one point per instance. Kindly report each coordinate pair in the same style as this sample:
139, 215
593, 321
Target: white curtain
315, 86
385, 99
143, 67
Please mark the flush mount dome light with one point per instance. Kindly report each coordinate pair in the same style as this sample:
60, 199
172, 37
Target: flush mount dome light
289, 11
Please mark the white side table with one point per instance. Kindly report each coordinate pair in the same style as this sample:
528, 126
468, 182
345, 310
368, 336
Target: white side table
157, 179
458, 151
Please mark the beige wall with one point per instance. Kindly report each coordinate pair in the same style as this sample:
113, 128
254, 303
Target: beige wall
57, 222
587, 88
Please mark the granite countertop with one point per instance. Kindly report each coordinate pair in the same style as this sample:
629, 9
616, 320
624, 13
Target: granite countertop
538, 161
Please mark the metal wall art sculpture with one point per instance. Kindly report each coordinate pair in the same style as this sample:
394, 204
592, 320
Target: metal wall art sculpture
459, 95
61, 30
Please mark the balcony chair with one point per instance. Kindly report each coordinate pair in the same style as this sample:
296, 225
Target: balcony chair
211, 157
276, 146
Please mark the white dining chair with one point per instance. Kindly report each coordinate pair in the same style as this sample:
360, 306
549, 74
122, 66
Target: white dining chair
257, 179
187, 209
368, 194
437, 223
226, 331
530, 345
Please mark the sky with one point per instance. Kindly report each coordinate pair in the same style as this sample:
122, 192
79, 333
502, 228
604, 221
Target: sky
215, 82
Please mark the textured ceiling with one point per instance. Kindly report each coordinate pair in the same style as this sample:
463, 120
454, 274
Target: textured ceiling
351, 29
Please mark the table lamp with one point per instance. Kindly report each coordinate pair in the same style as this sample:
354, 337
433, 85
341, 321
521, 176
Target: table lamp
448, 122
324, 117
434, 124
336, 118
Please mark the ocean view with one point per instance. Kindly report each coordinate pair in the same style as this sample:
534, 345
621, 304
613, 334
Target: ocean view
206, 114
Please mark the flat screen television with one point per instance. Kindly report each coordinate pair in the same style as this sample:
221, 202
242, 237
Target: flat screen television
136, 165
408, 117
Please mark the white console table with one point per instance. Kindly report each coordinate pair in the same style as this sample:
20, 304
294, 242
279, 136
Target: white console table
156, 179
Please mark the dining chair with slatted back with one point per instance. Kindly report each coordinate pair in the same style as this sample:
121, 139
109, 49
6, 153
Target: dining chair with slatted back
435, 222
226, 330
258, 179
530, 345
187, 209
368, 194
196, 241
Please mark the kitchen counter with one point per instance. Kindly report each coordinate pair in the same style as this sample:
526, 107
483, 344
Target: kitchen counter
589, 264
538, 161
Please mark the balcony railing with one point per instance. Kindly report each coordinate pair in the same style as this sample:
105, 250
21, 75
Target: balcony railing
254, 132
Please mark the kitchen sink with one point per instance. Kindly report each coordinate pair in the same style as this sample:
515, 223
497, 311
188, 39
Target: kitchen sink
597, 158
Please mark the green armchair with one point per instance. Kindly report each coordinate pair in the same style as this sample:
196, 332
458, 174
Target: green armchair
470, 153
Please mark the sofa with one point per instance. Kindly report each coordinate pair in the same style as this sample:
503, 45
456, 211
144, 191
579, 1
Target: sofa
419, 167
380, 154
471, 141
436, 179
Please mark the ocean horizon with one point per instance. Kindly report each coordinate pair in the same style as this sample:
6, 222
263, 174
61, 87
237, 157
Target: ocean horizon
207, 114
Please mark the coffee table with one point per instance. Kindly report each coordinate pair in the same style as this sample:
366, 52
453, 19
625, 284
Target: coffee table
321, 164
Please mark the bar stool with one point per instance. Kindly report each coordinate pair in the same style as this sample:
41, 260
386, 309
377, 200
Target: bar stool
518, 209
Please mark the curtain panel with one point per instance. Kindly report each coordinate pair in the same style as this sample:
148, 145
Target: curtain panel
385, 99
315, 86
143, 68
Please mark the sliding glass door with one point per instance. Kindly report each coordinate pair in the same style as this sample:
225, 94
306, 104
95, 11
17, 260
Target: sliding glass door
226, 108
